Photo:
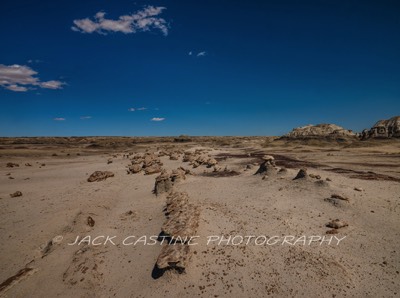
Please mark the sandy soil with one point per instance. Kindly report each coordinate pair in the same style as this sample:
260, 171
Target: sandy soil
56, 201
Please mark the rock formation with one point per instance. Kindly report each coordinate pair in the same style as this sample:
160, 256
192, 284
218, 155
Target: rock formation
181, 225
330, 131
100, 175
198, 158
267, 167
136, 168
337, 224
389, 128
174, 257
16, 194
163, 183
301, 174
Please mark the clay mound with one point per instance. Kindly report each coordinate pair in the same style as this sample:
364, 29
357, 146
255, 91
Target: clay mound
100, 175
330, 131
389, 128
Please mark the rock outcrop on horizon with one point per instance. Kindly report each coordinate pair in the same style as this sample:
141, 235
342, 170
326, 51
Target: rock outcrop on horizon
330, 131
389, 128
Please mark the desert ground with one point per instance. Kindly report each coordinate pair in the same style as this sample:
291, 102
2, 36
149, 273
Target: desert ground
357, 183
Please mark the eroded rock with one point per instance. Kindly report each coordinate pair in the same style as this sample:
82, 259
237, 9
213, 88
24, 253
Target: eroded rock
100, 175
337, 224
163, 183
175, 257
16, 194
301, 174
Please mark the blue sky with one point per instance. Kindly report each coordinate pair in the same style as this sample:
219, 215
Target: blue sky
139, 68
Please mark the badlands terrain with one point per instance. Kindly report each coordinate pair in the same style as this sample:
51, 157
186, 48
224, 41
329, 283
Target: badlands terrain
161, 190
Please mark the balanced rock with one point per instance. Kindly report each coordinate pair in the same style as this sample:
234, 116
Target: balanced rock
267, 167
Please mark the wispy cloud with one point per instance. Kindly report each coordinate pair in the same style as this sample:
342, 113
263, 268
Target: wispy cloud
157, 119
137, 109
86, 117
31, 61
201, 54
21, 78
59, 119
143, 20
190, 53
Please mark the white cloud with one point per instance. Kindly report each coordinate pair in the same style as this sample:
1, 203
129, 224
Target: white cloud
59, 119
21, 78
86, 117
52, 84
16, 88
190, 53
157, 119
143, 20
141, 109
200, 54
131, 109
